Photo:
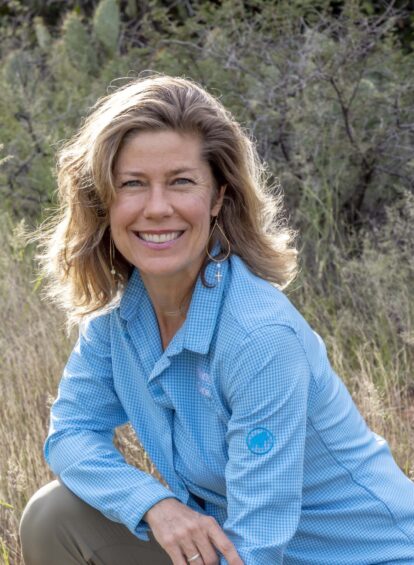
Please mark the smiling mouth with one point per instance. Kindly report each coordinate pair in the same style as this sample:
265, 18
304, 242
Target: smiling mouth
159, 237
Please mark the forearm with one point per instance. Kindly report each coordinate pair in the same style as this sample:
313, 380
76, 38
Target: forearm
90, 466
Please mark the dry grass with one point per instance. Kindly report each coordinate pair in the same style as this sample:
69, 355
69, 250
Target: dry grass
34, 347
368, 331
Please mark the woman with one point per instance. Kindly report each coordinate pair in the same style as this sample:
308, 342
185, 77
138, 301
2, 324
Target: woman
168, 236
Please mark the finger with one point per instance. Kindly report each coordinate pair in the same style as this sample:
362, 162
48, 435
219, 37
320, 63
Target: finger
175, 553
206, 548
207, 551
223, 544
191, 551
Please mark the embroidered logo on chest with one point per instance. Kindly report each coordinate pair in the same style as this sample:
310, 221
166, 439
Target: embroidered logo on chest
204, 383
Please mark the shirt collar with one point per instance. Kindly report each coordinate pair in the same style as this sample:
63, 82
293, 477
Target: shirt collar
197, 331
204, 310
133, 296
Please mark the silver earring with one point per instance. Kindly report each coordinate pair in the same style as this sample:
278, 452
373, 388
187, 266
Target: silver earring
218, 276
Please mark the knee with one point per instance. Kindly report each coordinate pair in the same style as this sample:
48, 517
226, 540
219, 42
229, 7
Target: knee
41, 520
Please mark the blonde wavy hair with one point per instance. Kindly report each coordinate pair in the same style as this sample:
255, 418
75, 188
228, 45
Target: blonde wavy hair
75, 242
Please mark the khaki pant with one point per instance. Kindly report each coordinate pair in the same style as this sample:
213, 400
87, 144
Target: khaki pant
58, 528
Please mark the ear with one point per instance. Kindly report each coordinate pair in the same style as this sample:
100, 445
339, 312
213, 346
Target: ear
218, 201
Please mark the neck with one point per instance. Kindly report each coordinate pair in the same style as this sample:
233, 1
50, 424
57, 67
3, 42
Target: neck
171, 300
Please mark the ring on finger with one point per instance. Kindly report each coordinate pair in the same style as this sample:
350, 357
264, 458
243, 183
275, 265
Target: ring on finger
196, 556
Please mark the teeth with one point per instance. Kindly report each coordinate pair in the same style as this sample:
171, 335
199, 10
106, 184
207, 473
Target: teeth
159, 238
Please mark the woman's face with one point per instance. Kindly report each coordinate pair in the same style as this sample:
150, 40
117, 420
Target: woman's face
160, 218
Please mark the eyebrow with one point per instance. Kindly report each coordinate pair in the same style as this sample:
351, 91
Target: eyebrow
172, 172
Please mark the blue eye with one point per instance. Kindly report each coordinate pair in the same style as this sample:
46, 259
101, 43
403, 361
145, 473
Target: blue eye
131, 183
183, 180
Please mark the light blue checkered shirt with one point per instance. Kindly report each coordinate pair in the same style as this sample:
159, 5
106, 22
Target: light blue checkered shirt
243, 410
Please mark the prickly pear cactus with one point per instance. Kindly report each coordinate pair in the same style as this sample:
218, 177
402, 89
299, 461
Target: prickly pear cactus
42, 33
131, 9
106, 24
18, 68
77, 44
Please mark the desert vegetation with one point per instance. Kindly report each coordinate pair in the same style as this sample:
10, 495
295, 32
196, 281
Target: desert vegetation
327, 91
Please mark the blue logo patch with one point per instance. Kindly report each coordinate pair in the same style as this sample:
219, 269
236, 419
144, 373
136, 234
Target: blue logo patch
260, 441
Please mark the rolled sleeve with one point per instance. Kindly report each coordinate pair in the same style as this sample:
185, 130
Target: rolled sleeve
79, 447
267, 395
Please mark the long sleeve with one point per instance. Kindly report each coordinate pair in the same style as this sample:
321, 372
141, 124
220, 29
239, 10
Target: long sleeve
267, 393
79, 447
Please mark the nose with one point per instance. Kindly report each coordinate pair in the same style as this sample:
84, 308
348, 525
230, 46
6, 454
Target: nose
157, 204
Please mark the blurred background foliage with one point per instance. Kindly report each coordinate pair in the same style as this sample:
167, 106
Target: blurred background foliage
326, 88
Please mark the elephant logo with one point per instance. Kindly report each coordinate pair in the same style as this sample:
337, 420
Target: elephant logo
260, 441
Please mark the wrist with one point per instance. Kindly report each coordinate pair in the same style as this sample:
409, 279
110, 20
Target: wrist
158, 508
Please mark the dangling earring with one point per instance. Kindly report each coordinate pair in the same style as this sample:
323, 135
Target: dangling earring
218, 276
111, 257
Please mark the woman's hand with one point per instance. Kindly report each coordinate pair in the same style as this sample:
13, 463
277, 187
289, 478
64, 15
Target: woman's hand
183, 533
